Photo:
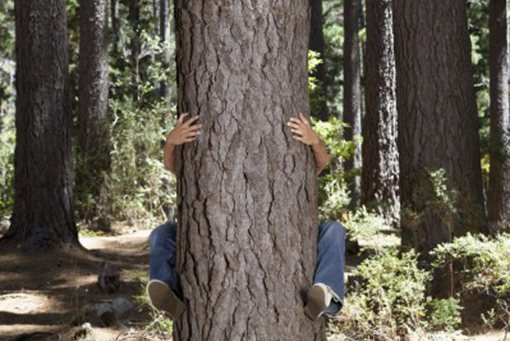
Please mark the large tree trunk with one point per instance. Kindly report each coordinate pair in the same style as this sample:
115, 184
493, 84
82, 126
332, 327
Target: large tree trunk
380, 173
247, 190
352, 92
43, 213
438, 127
93, 126
498, 197
320, 111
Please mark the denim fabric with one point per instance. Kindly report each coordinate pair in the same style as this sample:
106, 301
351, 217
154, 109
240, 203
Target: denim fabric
329, 269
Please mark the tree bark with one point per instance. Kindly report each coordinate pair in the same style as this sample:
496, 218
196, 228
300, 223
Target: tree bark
321, 112
134, 20
498, 196
438, 127
352, 92
43, 209
164, 32
380, 171
246, 189
115, 15
93, 126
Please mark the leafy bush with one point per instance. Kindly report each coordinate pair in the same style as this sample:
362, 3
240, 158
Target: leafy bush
444, 314
333, 193
388, 300
371, 230
485, 268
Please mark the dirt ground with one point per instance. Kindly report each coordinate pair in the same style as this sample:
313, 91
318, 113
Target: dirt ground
43, 295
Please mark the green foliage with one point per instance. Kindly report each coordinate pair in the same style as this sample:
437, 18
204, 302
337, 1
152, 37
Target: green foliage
333, 194
432, 197
7, 137
7, 28
371, 230
485, 261
444, 314
140, 188
314, 87
485, 268
389, 299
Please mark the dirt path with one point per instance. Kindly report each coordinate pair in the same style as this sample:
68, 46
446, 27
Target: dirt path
46, 292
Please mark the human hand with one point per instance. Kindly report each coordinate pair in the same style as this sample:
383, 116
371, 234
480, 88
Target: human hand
184, 131
302, 130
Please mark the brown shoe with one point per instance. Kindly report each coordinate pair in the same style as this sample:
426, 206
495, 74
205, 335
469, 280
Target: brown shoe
163, 298
319, 297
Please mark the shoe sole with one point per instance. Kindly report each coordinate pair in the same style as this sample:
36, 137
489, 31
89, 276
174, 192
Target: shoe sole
164, 299
315, 303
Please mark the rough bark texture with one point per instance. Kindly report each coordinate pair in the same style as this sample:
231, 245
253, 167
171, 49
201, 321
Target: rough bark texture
438, 126
93, 130
317, 44
352, 90
498, 196
380, 173
43, 214
247, 190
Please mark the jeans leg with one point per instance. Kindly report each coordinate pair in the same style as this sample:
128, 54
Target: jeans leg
331, 261
163, 243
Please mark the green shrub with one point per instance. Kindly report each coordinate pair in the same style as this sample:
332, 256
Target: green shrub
444, 314
389, 299
485, 268
371, 230
333, 194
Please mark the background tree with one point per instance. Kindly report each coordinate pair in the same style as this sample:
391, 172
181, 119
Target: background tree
441, 186
164, 33
498, 194
43, 214
247, 190
134, 47
320, 108
115, 19
380, 172
93, 123
352, 92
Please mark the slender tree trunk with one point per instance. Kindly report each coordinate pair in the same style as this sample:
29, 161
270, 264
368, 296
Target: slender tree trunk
164, 32
134, 19
93, 127
247, 190
438, 128
320, 111
498, 197
352, 91
380, 173
115, 24
43, 209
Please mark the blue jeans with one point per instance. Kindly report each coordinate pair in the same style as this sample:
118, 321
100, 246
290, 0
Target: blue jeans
329, 269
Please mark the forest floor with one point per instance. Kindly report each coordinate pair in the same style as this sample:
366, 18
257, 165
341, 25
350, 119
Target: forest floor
50, 296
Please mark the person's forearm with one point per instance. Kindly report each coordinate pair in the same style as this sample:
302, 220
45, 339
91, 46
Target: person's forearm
321, 155
169, 157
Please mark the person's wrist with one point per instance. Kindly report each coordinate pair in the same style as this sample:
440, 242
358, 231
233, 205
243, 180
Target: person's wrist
316, 141
170, 142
